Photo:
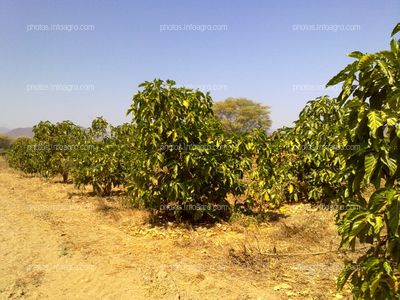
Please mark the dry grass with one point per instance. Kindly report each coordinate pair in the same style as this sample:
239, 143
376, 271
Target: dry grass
90, 247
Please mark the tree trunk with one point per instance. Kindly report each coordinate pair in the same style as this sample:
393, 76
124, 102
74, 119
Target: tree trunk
65, 177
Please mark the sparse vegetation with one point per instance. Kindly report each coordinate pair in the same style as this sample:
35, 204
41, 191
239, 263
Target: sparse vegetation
182, 157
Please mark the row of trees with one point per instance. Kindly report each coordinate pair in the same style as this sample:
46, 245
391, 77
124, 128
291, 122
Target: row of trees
177, 157
177, 153
5, 142
91, 156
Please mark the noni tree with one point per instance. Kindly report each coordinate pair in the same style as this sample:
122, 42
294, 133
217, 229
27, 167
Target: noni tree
54, 145
184, 164
304, 162
320, 149
22, 156
371, 95
102, 160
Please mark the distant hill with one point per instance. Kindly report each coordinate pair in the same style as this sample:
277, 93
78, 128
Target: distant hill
19, 132
4, 130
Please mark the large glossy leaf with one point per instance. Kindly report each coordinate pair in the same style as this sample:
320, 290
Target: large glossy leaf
365, 61
396, 29
355, 54
371, 160
393, 216
374, 121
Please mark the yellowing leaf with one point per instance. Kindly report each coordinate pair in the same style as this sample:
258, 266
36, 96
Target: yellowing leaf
266, 196
374, 121
154, 180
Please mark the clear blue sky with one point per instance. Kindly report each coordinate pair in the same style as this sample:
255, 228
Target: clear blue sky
258, 56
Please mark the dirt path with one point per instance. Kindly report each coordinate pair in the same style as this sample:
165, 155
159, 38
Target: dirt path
59, 243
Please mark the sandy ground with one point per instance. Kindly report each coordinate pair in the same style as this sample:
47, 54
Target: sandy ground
57, 242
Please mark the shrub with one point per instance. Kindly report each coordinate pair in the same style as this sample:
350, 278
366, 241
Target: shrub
304, 162
5, 142
371, 93
22, 156
183, 162
102, 159
54, 145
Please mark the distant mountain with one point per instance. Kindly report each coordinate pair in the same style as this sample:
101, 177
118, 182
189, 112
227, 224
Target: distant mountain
19, 132
4, 130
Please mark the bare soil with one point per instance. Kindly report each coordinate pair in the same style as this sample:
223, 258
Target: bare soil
57, 242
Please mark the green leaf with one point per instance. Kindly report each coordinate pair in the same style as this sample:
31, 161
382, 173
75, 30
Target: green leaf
348, 269
398, 131
396, 29
370, 262
187, 160
342, 75
393, 217
385, 70
374, 121
393, 45
357, 227
337, 78
387, 268
369, 164
378, 224
391, 121
380, 198
375, 284
365, 60
160, 157
355, 54
391, 163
